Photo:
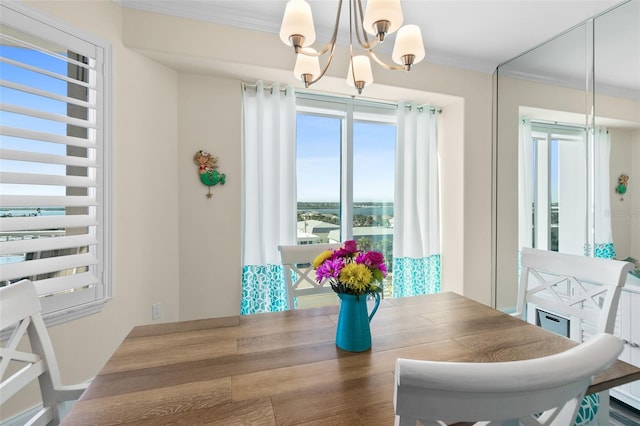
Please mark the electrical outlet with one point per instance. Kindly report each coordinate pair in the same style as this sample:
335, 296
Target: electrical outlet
155, 311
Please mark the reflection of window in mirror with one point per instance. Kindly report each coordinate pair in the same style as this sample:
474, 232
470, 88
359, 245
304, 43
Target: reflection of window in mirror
558, 172
564, 194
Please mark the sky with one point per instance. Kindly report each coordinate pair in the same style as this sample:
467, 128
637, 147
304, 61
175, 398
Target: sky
318, 159
23, 76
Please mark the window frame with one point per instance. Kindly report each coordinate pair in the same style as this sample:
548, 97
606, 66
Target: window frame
349, 110
30, 21
543, 136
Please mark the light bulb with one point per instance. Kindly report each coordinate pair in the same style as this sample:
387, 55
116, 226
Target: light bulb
297, 22
307, 67
381, 11
361, 71
408, 49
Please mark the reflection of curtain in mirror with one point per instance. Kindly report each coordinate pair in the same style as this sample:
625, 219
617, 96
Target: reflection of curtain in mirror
601, 239
572, 196
525, 198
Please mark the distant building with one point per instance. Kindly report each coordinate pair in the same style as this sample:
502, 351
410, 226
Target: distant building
306, 238
374, 233
316, 228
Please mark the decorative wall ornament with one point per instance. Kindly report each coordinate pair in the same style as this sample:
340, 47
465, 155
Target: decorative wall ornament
207, 165
623, 182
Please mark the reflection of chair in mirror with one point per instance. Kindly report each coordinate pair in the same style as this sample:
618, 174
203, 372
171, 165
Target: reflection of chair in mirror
575, 296
20, 312
539, 391
300, 278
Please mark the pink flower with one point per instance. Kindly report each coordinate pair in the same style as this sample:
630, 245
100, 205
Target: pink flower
351, 246
348, 249
329, 269
383, 268
372, 259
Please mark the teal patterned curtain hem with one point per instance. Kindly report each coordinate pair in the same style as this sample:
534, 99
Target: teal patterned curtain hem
263, 289
604, 251
412, 277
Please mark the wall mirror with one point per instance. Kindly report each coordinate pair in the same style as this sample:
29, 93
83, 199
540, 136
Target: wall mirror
567, 126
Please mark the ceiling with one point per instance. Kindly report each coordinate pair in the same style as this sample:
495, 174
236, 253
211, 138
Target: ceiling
471, 34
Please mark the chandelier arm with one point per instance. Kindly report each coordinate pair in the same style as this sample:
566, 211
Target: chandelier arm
351, 23
384, 65
361, 34
326, 65
331, 45
332, 42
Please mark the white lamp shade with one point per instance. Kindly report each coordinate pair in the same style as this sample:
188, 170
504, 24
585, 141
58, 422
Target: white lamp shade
408, 42
297, 20
307, 65
382, 10
362, 67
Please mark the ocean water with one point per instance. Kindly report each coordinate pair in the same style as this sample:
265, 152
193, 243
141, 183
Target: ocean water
379, 210
5, 212
5, 260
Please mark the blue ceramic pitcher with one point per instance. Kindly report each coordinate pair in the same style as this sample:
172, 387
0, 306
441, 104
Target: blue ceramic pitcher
353, 333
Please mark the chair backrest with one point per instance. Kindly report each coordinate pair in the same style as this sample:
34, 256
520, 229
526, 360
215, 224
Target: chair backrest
581, 291
299, 275
552, 386
20, 312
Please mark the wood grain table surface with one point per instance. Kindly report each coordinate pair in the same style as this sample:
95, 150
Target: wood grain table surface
284, 368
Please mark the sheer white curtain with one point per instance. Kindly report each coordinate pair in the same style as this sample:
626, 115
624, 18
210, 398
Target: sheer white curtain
573, 190
602, 234
269, 193
416, 235
525, 192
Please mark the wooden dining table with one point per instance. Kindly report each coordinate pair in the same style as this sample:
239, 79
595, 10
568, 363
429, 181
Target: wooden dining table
284, 368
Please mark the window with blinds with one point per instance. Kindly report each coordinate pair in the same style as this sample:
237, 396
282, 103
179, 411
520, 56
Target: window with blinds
54, 174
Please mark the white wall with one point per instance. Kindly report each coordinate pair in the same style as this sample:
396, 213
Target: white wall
145, 199
209, 119
625, 209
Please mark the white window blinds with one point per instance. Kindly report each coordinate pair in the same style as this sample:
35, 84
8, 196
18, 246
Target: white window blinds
53, 163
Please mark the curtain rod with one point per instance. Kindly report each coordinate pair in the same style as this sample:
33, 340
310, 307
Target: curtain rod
255, 86
309, 94
550, 123
421, 108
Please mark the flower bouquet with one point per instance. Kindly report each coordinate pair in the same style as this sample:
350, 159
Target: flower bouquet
351, 271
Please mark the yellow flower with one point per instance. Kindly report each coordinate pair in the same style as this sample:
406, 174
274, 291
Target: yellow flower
321, 258
356, 276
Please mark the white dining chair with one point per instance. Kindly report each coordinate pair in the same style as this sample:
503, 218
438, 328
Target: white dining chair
575, 296
539, 391
19, 365
299, 275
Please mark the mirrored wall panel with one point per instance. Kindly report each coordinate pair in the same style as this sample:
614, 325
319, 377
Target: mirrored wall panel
567, 147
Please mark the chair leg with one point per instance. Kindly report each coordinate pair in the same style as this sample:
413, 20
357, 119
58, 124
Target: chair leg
602, 418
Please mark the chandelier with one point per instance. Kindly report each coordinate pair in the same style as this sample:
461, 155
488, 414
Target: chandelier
381, 18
